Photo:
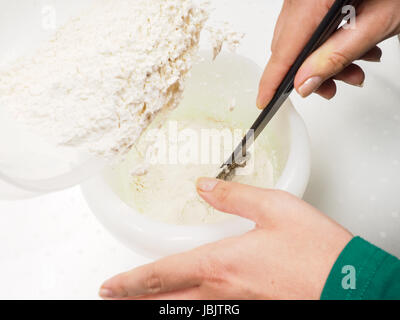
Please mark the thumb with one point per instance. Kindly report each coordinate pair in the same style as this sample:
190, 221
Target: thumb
245, 201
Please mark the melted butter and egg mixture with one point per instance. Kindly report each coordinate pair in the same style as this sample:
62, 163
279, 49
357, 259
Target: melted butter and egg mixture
160, 182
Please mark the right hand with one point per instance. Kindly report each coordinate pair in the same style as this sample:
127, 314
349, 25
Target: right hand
376, 21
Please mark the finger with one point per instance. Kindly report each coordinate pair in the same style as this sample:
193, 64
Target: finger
373, 55
283, 55
344, 47
328, 89
170, 274
273, 75
245, 201
352, 75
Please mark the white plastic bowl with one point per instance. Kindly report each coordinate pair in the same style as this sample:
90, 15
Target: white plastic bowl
154, 239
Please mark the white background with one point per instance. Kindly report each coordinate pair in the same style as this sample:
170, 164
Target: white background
52, 247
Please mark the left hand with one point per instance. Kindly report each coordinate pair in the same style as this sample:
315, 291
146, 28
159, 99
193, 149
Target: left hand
287, 256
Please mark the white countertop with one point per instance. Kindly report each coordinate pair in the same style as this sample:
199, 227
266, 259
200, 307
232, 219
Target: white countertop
53, 247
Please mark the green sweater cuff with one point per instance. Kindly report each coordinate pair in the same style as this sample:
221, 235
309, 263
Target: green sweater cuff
363, 272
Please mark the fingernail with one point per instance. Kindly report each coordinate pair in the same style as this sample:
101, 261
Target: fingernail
106, 293
206, 184
259, 104
361, 85
310, 86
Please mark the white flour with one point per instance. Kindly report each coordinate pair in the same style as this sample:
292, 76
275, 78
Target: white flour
104, 76
221, 34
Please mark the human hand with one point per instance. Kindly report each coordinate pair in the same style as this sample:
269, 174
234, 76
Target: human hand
287, 256
375, 22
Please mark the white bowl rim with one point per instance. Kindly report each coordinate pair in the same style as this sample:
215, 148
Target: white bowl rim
125, 222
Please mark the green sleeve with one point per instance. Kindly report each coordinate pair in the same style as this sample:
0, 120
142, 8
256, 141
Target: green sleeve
363, 272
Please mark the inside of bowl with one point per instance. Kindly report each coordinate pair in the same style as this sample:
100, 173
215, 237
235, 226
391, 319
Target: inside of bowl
223, 90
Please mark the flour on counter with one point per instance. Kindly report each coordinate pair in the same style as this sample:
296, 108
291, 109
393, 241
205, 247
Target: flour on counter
105, 75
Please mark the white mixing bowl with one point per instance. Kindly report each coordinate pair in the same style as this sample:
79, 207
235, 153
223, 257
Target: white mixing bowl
211, 88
